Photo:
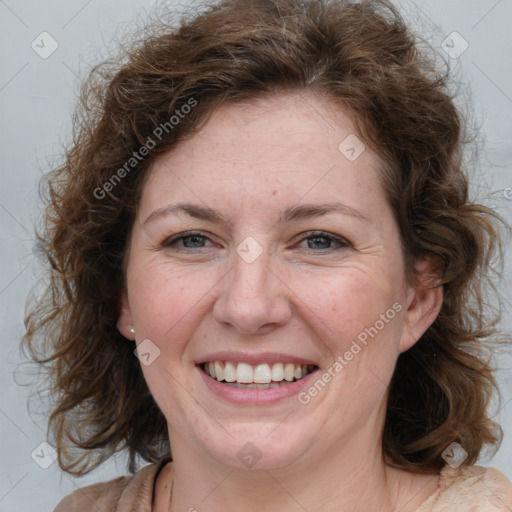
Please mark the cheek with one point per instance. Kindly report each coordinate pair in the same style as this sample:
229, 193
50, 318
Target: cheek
346, 303
167, 302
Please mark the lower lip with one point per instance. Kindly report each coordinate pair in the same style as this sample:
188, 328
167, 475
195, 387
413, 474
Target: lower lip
255, 396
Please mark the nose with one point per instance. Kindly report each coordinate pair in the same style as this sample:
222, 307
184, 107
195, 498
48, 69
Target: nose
252, 297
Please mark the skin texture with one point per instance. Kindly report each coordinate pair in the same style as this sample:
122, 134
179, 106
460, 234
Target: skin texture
250, 163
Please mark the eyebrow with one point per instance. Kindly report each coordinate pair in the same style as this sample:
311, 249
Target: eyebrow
193, 210
293, 213
305, 211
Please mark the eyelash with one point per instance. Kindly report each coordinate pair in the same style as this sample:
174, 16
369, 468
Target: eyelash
169, 242
341, 242
309, 235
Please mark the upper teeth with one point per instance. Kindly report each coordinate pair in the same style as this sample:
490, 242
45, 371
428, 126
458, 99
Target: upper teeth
260, 374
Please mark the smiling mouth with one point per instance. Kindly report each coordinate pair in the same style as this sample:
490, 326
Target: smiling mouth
261, 376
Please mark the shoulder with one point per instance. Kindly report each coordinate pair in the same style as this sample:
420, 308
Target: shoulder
103, 496
471, 488
130, 493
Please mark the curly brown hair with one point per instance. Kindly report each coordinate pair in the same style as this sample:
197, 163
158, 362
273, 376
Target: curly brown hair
360, 56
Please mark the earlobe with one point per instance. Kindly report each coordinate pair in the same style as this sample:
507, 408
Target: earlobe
424, 304
125, 320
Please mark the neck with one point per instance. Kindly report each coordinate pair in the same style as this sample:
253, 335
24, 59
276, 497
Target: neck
351, 476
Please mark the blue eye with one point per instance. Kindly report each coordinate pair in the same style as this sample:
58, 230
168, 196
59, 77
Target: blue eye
317, 241
193, 241
320, 241
187, 241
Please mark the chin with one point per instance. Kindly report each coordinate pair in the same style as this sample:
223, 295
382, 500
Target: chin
263, 446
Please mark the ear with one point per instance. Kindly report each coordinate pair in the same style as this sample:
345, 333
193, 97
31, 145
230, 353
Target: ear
424, 303
125, 319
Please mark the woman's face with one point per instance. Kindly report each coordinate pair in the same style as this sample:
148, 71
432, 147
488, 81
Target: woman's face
264, 246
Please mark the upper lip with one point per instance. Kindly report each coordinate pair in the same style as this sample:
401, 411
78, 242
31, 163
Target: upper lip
254, 359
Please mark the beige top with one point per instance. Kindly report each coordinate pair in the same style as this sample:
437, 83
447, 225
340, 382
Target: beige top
466, 489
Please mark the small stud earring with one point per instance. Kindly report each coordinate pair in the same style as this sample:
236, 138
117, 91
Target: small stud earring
132, 330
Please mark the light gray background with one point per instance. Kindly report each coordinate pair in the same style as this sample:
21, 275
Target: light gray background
36, 99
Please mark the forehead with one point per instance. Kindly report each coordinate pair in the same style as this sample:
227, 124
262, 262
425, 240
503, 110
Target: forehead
286, 146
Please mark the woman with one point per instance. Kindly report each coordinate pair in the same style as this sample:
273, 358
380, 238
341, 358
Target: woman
270, 204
